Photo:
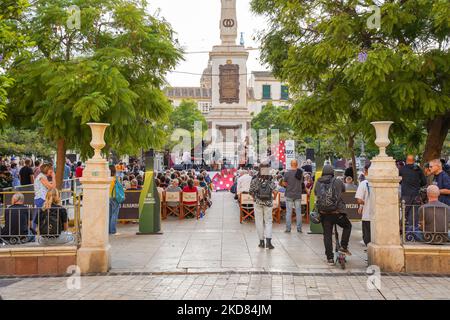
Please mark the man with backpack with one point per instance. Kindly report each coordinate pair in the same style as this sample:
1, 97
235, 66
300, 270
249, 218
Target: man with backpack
293, 180
261, 189
331, 208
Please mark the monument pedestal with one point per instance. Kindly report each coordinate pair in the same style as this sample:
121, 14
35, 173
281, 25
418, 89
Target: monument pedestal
385, 249
93, 260
389, 258
93, 255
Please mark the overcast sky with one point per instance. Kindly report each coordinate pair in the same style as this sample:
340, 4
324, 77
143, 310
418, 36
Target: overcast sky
197, 25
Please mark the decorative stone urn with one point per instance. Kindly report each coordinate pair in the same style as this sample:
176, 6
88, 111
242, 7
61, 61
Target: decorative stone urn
98, 138
382, 135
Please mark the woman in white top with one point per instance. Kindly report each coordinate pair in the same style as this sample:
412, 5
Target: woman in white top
42, 184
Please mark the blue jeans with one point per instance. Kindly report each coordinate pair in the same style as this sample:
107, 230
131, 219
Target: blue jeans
290, 204
38, 203
114, 208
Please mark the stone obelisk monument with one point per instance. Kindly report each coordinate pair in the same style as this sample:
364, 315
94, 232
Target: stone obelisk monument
229, 113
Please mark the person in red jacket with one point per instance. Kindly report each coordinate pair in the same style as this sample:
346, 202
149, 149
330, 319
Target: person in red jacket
190, 188
79, 170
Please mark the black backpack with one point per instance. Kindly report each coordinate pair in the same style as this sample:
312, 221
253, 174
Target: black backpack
327, 200
48, 222
299, 175
264, 191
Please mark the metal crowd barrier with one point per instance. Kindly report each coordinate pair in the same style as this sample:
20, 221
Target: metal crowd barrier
32, 226
69, 188
424, 224
73, 206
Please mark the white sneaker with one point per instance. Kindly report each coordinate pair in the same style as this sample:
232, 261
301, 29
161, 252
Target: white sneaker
362, 243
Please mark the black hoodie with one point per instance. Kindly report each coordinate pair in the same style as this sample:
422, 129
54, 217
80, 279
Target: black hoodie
338, 185
412, 180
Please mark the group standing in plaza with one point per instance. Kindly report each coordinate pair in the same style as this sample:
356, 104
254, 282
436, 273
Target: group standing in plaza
424, 196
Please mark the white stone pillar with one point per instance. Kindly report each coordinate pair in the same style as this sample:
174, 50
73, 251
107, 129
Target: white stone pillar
385, 249
93, 255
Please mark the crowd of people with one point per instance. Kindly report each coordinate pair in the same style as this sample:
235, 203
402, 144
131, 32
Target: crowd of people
424, 194
23, 172
131, 175
186, 181
47, 218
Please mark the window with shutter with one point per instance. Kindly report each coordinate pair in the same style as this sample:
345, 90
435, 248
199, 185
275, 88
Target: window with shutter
266, 92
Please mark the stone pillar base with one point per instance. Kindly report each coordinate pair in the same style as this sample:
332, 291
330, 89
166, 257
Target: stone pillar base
390, 258
93, 260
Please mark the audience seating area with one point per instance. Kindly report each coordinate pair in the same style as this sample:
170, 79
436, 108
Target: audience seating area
184, 204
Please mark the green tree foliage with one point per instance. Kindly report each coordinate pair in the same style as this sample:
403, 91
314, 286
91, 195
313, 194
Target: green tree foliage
185, 115
110, 69
345, 74
272, 117
24, 143
12, 42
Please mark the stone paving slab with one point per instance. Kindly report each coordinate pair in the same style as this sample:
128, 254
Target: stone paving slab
219, 242
227, 286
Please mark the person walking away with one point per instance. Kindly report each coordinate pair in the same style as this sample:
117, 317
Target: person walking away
442, 180
293, 180
26, 174
363, 199
331, 208
261, 189
413, 179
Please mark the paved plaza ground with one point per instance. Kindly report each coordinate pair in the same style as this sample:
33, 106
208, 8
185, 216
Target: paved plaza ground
219, 243
218, 258
229, 287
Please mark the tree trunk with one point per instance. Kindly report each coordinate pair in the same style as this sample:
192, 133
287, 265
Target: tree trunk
351, 148
60, 162
437, 129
